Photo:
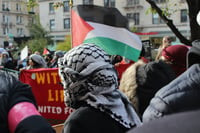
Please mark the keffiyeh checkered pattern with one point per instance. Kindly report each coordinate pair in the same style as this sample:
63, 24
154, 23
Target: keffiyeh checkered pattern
88, 76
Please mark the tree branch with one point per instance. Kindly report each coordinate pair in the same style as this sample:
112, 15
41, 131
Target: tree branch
170, 24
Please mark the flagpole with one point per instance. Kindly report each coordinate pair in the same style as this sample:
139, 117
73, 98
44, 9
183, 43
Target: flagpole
71, 4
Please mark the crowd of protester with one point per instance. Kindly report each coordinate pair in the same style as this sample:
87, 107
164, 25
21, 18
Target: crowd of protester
109, 93
34, 60
147, 89
156, 89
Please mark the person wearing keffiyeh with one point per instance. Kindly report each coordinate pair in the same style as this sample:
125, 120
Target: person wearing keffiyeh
91, 88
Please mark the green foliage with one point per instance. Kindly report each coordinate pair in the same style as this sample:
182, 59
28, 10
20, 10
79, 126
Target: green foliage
168, 8
65, 45
36, 29
37, 44
133, 29
56, 5
31, 4
39, 37
150, 10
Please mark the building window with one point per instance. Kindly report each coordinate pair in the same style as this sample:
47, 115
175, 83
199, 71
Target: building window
32, 10
136, 2
66, 23
18, 7
5, 19
19, 19
66, 6
19, 31
52, 24
136, 17
109, 3
87, 2
162, 1
106, 3
156, 19
4, 6
51, 8
159, 1
5, 30
31, 20
129, 15
183, 15
132, 2
156, 1
183, 1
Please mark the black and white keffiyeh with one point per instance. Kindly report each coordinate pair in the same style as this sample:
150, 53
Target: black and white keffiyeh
88, 76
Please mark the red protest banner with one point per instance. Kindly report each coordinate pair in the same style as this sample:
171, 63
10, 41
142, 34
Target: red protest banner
46, 87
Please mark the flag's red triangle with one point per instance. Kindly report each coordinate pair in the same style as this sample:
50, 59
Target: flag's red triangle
45, 51
80, 29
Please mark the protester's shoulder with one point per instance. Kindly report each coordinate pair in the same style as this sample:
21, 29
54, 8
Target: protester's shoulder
194, 68
159, 68
6, 77
160, 63
81, 117
185, 84
9, 83
191, 76
89, 114
175, 123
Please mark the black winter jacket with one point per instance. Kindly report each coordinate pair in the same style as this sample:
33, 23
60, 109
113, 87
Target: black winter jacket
12, 91
182, 94
89, 120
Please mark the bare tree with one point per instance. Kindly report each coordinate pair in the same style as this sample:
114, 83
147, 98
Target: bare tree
193, 9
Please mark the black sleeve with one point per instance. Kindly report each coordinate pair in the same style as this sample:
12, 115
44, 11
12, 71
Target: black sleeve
34, 124
19, 92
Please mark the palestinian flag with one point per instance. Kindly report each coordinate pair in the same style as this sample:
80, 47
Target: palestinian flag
105, 27
45, 51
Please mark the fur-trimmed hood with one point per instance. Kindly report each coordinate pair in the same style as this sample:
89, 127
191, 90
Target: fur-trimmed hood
141, 81
128, 83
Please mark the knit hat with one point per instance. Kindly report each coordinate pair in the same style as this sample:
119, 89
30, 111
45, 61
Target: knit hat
38, 59
176, 54
193, 55
5, 53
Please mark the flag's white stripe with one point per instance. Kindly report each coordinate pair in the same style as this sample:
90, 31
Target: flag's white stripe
116, 33
109, 45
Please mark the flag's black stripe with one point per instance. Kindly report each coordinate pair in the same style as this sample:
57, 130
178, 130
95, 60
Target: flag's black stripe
103, 15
